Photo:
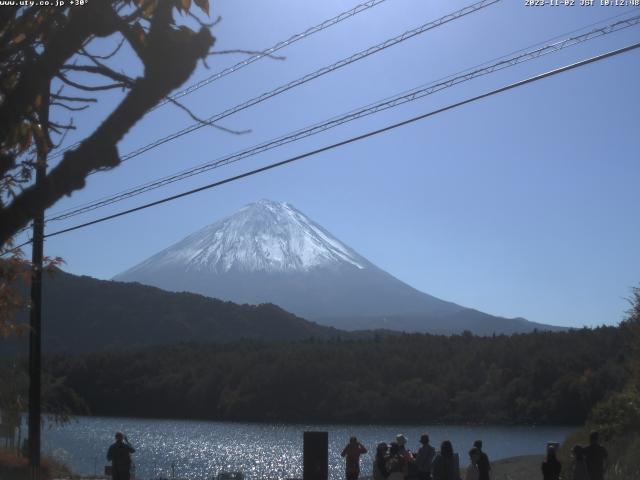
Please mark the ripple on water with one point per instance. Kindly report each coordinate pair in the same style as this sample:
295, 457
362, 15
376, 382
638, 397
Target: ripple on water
200, 450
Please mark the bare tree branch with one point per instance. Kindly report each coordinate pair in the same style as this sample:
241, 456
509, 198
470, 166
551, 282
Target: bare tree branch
170, 55
89, 88
68, 107
74, 99
95, 18
101, 70
58, 126
131, 36
84, 52
204, 24
62, 138
203, 121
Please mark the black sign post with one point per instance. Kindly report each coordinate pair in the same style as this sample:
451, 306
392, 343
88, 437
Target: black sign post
315, 455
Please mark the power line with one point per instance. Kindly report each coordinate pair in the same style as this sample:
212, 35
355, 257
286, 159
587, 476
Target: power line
362, 54
16, 248
311, 76
254, 58
391, 102
318, 73
271, 50
356, 138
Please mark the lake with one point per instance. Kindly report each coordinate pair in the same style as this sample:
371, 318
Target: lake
200, 449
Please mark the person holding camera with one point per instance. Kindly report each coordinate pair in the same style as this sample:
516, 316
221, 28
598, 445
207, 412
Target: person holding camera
119, 454
352, 453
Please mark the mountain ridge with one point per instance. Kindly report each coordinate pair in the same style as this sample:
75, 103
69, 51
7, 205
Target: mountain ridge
85, 314
271, 252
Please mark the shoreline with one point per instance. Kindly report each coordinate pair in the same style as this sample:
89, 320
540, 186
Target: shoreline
523, 467
88, 435
313, 423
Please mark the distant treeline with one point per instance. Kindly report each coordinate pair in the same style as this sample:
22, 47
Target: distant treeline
535, 378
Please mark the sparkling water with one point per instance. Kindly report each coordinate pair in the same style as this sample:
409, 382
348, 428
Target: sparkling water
200, 450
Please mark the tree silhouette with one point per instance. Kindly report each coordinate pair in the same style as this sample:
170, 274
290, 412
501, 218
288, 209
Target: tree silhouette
47, 72
45, 45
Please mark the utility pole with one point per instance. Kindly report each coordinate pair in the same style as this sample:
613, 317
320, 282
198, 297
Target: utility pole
35, 319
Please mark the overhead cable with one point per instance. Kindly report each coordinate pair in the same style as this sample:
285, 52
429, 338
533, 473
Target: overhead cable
400, 99
511, 86
271, 50
311, 76
254, 58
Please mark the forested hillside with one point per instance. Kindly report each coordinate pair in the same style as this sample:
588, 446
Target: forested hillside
617, 418
83, 314
529, 378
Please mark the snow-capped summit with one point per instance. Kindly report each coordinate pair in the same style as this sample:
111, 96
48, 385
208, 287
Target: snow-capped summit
269, 252
265, 236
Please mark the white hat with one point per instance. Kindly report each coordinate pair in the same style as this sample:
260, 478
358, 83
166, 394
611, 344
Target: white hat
401, 440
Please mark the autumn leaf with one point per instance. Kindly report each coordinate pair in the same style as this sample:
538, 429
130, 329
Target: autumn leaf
26, 136
19, 38
139, 32
204, 5
149, 9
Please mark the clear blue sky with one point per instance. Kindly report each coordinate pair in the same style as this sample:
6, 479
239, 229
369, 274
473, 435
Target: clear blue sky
523, 204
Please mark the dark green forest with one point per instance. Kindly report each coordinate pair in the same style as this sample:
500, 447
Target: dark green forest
83, 314
536, 378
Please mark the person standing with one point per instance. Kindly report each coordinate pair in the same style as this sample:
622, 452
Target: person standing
484, 466
579, 466
446, 464
380, 471
396, 463
551, 467
472, 472
401, 440
352, 453
424, 458
119, 454
595, 456
410, 470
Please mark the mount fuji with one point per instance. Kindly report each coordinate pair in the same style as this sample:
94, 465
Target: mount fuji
269, 252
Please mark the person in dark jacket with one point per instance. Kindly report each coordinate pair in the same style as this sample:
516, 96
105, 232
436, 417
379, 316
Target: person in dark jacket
484, 466
551, 467
396, 463
578, 469
352, 453
119, 454
595, 456
380, 471
424, 458
446, 464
